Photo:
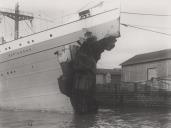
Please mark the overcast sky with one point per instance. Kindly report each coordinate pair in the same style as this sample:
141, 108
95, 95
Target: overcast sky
132, 41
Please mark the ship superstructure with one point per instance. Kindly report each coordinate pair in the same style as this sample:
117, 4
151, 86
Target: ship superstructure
29, 69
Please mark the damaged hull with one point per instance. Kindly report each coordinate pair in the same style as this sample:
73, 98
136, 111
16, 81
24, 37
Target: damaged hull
29, 69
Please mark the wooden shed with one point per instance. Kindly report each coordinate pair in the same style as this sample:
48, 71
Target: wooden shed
146, 66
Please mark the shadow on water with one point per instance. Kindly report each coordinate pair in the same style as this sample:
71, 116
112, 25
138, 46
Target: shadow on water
123, 117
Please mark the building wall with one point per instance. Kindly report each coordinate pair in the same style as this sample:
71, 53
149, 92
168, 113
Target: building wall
139, 72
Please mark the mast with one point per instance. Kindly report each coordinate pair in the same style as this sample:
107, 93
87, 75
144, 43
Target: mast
16, 30
17, 16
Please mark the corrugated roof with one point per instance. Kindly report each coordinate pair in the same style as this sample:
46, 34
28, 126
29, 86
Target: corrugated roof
149, 57
116, 71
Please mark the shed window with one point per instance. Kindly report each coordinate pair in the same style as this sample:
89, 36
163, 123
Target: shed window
151, 73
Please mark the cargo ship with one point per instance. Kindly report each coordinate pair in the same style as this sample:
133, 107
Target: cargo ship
29, 70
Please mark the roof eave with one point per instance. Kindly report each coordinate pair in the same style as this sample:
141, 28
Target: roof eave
144, 62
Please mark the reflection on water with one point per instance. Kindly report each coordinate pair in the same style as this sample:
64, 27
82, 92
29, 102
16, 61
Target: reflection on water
125, 118
105, 118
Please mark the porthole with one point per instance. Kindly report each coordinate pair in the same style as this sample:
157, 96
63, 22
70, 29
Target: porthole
50, 35
32, 40
28, 42
20, 44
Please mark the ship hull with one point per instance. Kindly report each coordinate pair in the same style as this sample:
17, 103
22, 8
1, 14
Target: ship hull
29, 69
30, 82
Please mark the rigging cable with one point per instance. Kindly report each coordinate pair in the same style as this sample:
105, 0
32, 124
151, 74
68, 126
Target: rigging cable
28, 26
25, 27
90, 2
1, 26
4, 27
11, 26
128, 25
153, 27
148, 14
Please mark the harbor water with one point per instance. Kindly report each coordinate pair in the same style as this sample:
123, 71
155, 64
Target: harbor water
105, 118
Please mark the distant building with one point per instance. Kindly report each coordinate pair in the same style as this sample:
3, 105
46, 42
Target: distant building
108, 76
146, 66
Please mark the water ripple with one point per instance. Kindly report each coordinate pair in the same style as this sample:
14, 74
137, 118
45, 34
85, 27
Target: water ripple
105, 118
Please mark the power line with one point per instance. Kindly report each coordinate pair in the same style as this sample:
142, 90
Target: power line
128, 25
149, 14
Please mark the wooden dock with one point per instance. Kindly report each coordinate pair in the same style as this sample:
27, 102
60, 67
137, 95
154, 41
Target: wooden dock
153, 93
